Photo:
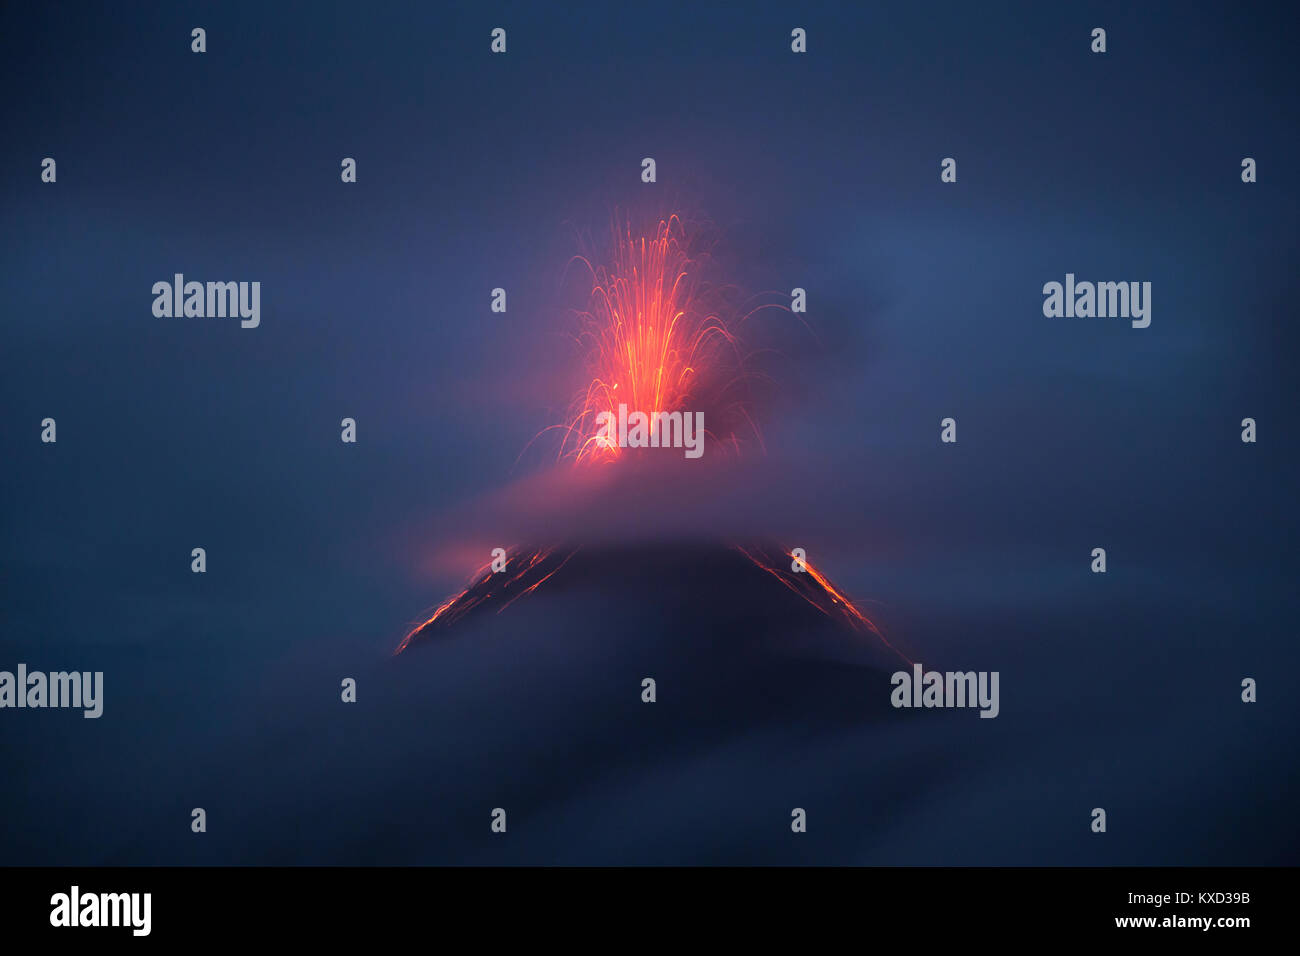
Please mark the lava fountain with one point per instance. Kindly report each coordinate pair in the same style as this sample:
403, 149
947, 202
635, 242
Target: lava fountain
657, 337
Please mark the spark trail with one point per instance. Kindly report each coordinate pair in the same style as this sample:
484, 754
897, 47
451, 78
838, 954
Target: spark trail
655, 339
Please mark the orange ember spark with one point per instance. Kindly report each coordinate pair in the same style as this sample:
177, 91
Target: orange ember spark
653, 344
651, 341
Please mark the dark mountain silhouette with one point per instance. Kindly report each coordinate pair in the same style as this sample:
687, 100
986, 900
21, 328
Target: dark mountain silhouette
754, 584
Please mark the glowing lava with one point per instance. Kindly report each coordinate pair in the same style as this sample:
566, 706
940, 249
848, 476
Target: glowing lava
655, 339
815, 588
526, 570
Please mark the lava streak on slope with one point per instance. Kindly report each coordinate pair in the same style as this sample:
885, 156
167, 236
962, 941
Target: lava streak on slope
528, 568
656, 338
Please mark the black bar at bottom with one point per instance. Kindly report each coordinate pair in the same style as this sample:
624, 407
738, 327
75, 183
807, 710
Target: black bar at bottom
335, 905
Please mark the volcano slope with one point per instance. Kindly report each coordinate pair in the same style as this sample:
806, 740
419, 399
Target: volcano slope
755, 686
670, 573
763, 704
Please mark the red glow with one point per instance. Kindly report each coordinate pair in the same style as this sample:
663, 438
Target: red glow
649, 336
654, 339
525, 571
821, 594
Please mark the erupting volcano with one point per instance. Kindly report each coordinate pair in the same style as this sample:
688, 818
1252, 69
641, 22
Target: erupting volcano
659, 338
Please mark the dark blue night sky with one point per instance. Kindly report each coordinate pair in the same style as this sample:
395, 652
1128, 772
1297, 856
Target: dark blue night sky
820, 171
